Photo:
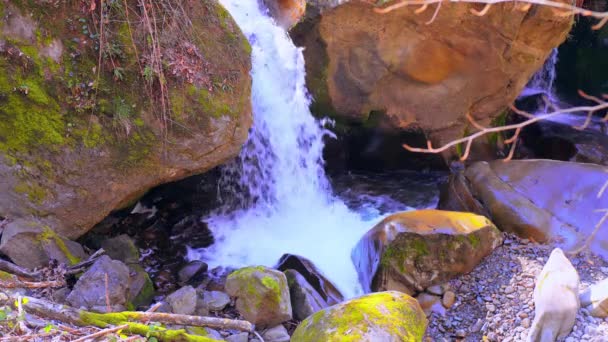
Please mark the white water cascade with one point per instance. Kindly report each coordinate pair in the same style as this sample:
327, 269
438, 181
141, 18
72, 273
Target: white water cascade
284, 202
542, 83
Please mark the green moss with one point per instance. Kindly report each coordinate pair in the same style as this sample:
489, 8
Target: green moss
5, 276
474, 240
35, 193
49, 236
146, 294
131, 319
394, 313
404, 247
499, 121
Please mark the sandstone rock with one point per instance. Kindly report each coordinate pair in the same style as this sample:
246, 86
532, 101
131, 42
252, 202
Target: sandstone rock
595, 299
324, 287
77, 144
30, 244
305, 300
90, 290
411, 251
383, 316
121, 248
419, 75
262, 295
556, 300
276, 334
183, 301
541, 200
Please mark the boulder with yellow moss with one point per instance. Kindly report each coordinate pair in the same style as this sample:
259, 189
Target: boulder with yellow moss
410, 251
384, 316
262, 295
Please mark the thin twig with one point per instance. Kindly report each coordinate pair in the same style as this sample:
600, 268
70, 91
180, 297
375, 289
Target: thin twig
101, 333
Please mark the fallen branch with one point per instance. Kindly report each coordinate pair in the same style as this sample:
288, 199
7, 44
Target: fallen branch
81, 266
134, 320
9, 267
18, 284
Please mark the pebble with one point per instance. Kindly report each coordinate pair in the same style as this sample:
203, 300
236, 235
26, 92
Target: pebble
449, 298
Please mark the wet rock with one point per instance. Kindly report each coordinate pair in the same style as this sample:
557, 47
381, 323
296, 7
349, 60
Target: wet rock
276, 334
358, 63
121, 248
595, 299
183, 301
305, 300
215, 300
326, 289
541, 200
107, 280
141, 288
192, 272
30, 244
383, 316
411, 251
262, 295
556, 299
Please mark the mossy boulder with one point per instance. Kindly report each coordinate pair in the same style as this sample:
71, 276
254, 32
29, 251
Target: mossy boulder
383, 316
262, 295
410, 251
96, 111
31, 244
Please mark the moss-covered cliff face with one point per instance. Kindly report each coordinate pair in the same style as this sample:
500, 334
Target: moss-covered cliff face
100, 103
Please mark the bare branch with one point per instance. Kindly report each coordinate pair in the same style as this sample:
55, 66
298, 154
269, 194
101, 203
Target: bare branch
531, 119
560, 8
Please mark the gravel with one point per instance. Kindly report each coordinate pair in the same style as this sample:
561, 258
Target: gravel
495, 301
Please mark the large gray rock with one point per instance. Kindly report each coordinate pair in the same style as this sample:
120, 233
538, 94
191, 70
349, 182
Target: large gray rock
595, 299
276, 334
556, 299
305, 300
122, 248
262, 295
542, 200
105, 283
30, 244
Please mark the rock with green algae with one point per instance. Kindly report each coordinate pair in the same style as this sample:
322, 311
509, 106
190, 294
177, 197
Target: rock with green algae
383, 316
78, 139
410, 251
31, 244
262, 295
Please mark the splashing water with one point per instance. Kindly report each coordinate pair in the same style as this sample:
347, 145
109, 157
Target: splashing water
283, 198
542, 82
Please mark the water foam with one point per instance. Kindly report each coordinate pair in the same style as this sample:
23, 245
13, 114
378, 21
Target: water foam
284, 203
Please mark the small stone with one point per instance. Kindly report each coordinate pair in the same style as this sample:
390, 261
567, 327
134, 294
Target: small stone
214, 334
491, 307
241, 337
183, 301
522, 315
437, 290
192, 271
276, 334
509, 290
215, 300
525, 323
461, 333
449, 298
477, 326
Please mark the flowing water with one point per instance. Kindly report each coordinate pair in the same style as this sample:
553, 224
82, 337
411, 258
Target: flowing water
284, 202
542, 83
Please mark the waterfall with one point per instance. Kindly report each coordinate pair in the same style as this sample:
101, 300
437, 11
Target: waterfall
542, 82
282, 199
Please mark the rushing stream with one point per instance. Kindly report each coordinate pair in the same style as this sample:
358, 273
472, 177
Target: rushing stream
284, 200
